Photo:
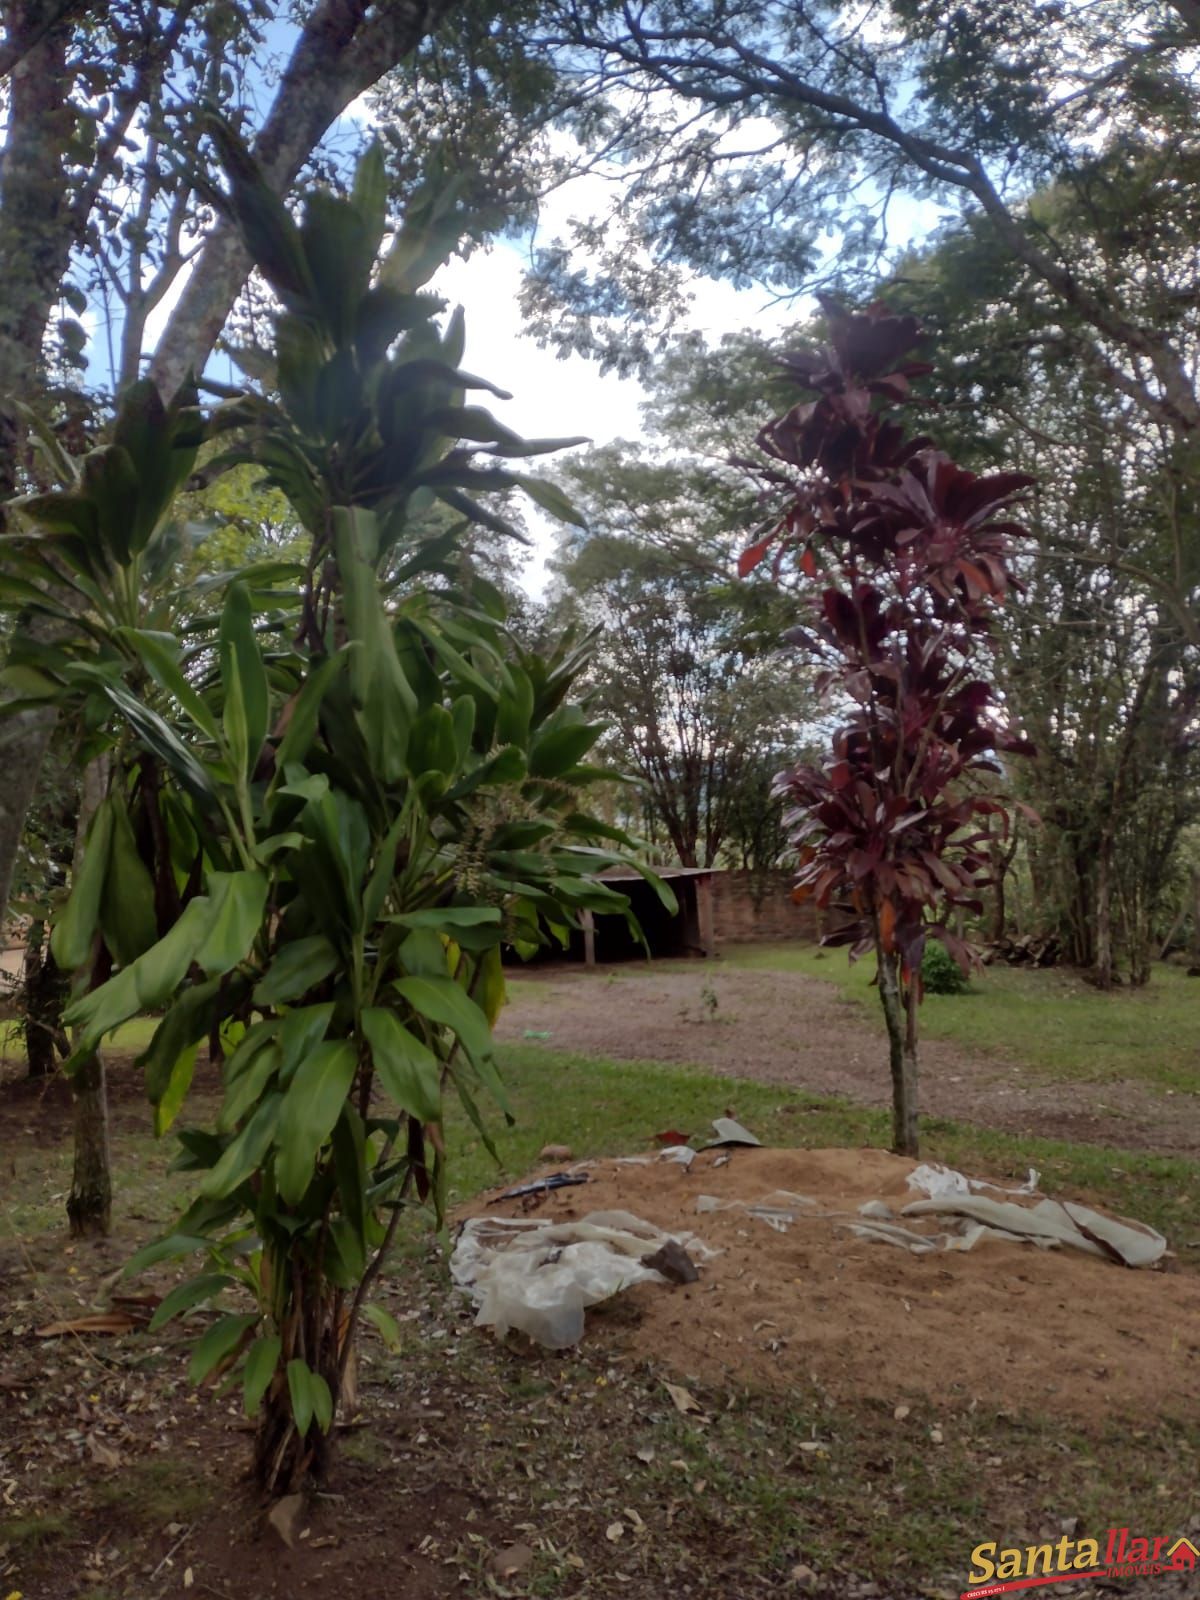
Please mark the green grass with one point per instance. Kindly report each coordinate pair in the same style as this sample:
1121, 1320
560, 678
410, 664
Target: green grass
1051, 1021
129, 1038
600, 1107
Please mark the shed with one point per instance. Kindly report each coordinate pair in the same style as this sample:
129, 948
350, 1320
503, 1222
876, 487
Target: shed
690, 932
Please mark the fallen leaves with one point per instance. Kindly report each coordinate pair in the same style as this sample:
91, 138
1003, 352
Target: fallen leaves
512, 1560
106, 1322
682, 1399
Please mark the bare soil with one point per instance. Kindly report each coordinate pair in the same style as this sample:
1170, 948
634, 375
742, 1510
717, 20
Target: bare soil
789, 1029
1003, 1327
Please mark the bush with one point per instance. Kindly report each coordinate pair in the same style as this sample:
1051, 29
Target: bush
940, 972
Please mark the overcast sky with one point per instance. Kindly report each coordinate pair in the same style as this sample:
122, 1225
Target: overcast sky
554, 397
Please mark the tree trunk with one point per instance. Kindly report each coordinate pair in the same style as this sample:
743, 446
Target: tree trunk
36, 230
315, 1328
1103, 968
43, 995
900, 1016
89, 1204
341, 52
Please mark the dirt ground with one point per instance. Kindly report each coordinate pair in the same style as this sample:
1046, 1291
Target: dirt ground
788, 1029
1005, 1325
849, 1442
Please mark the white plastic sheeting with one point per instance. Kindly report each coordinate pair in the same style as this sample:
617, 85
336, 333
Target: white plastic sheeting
540, 1276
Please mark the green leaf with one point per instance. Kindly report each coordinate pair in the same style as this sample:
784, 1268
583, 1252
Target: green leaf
218, 1343
300, 1032
169, 1248
305, 711
164, 668
174, 1093
384, 696
559, 749
298, 966
441, 1000
164, 742
185, 1024
447, 918
186, 1295
322, 1401
261, 1362
242, 671
311, 1106
386, 1324
549, 496
515, 709
145, 985
127, 916
75, 928
245, 1154
407, 1068
431, 743
239, 900
383, 873
300, 1388
266, 225
161, 445
245, 1087
350, 1165
110, 482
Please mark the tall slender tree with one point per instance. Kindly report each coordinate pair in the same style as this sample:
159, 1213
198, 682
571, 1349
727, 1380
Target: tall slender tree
906, 556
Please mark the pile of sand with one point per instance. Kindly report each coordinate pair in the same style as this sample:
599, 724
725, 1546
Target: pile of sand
1007, 1325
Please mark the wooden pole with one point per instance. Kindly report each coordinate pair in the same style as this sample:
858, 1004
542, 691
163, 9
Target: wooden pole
588, 922
704, 911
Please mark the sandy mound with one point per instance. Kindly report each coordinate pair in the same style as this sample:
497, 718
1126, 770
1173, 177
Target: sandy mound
1007, 1325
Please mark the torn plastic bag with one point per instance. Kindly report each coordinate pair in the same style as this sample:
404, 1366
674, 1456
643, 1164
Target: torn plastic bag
540, 1276
778, 1210
1079, 1227
936, 1180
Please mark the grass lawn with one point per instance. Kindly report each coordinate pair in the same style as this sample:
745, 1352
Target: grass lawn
1051, 1020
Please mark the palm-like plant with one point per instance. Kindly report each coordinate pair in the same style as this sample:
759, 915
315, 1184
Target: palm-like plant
354, 832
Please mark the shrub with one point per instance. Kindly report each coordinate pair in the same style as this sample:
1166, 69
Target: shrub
940, 973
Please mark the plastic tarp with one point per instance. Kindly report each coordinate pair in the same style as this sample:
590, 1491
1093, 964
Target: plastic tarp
540, 1276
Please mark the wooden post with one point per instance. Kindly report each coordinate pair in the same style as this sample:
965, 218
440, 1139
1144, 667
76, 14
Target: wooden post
588, 923
704, 913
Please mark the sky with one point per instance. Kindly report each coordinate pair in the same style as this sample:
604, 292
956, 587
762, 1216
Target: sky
553, 397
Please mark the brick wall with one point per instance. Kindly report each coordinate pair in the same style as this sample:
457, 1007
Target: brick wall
776, 916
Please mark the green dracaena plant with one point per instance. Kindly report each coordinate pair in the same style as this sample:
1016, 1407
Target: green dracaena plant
362, 845
101, 563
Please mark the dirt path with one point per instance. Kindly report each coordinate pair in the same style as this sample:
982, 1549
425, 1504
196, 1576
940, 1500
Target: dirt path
783, 1028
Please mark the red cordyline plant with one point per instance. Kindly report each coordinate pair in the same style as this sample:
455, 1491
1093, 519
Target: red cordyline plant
903, 557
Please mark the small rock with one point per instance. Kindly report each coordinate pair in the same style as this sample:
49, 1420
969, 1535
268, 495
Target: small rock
673, 1261
615, 1532
555, 1152
1069, 1526
901, 1412
804, 1576
515, 1558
